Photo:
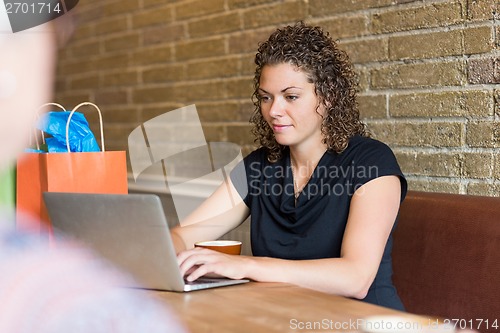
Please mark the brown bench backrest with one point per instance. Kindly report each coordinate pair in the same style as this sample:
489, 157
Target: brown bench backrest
446, 257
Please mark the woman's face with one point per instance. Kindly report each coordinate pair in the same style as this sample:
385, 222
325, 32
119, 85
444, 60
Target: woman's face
290, 106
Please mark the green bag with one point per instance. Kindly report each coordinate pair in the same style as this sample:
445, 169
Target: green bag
8, 193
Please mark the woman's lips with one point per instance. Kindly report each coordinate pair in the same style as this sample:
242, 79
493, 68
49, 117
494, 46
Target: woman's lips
280, 128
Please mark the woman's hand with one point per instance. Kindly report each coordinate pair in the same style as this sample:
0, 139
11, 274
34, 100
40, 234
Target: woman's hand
200, 262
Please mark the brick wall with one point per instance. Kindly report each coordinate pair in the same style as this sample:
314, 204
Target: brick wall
429, 72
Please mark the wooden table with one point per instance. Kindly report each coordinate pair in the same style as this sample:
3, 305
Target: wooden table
270, 307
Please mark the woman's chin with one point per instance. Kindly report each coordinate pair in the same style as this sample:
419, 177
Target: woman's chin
284, 140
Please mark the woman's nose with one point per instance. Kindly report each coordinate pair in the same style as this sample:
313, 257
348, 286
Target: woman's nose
277, 108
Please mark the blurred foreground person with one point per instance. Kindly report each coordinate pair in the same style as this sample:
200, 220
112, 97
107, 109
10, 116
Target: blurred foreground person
43, 289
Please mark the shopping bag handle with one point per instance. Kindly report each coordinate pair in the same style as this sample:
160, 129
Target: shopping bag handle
71, 115
37, 116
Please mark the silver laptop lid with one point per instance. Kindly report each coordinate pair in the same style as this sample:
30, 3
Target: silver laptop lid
129, 230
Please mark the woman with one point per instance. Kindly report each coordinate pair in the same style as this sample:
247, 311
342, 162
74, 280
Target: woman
322, 196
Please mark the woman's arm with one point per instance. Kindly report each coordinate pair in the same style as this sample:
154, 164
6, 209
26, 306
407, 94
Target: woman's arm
372, 213
223, 211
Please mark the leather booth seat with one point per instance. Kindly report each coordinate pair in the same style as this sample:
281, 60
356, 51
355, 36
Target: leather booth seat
446, 258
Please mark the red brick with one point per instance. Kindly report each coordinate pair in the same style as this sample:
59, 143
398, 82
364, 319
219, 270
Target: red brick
426, 16
112, 96
274, 14
215, 25
163, 34
372, 106
471, 104
365, 51
196, 8
349, 26
119, 7
484, 70
482, 9
205, 48
154, 16
164, 73
328, 7
119, 78
247, 40
205, 69
434, 74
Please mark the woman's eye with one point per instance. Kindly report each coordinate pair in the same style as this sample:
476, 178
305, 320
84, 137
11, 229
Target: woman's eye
292, 97
264, 99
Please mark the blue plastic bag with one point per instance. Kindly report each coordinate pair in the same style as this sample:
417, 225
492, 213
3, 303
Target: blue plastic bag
80, 137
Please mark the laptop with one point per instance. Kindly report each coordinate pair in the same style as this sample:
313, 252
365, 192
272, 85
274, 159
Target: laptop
129, 230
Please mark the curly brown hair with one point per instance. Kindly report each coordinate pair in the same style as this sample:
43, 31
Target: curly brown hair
313, 51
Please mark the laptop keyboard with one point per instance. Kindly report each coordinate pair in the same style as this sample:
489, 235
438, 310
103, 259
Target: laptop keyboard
201, 281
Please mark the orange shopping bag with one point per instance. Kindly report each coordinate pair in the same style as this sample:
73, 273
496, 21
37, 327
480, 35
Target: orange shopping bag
84, 172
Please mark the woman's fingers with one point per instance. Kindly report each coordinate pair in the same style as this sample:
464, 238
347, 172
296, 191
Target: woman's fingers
192, 260
198, 262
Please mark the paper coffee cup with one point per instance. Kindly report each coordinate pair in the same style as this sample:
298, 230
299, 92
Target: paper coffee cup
223, 246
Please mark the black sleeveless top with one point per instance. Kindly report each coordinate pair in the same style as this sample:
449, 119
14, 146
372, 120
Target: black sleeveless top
313, 227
